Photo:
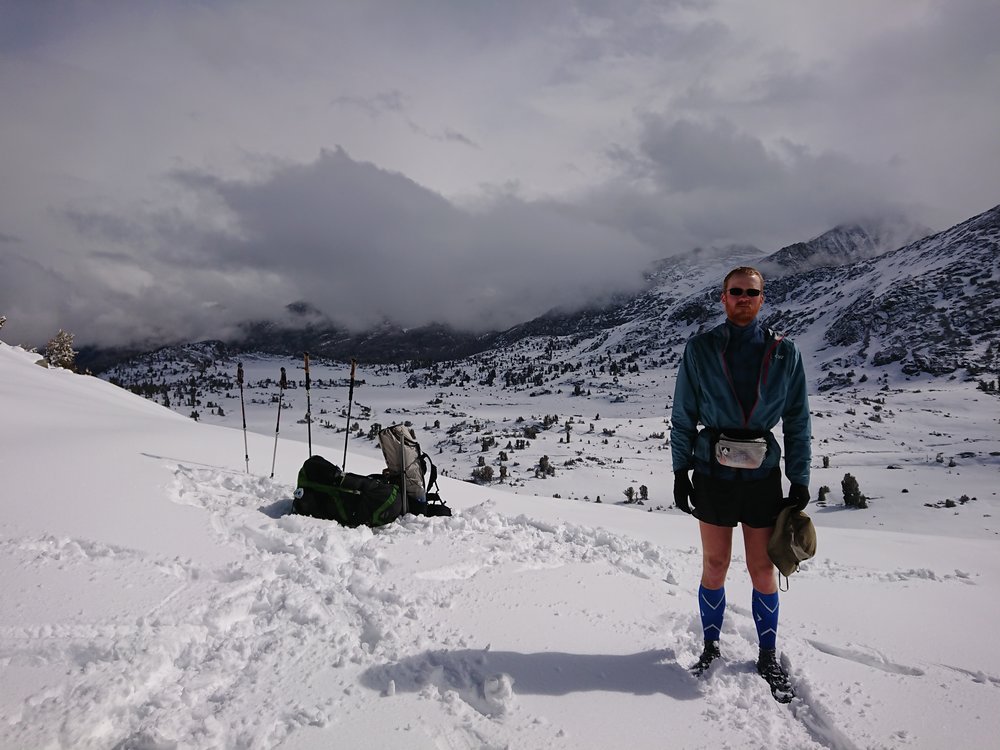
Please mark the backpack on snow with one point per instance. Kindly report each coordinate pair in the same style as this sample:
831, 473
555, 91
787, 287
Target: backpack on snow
407, 467
324, 491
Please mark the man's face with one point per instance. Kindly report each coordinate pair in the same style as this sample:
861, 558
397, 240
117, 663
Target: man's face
741, 308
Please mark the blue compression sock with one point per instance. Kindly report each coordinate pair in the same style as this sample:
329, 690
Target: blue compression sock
765, 616
712, 604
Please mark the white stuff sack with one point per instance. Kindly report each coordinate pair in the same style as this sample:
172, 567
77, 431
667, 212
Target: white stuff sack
402, 455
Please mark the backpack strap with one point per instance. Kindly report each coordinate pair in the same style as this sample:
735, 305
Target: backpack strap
433, 480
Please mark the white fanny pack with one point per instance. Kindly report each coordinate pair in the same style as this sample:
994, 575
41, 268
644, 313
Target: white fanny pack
740, 453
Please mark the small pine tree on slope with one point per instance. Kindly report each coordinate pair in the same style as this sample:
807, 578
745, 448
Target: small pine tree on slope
59, 351
852, 492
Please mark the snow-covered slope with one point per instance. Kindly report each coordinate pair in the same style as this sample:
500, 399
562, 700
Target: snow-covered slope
929, 307
157, 595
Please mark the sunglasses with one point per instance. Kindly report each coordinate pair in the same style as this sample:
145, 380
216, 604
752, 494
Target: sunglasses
735, 291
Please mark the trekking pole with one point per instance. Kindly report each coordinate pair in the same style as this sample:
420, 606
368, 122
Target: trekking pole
243, 407
402, 471
350, 401
309, 419
282, 385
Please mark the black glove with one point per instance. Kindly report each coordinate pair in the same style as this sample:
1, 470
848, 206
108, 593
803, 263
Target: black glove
798, 497
683, 491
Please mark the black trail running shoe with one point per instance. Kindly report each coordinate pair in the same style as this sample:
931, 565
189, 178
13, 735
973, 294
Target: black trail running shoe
771, 670
710, 654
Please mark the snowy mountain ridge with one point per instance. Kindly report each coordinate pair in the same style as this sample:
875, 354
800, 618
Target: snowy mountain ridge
845, 244
925, 307
857, 301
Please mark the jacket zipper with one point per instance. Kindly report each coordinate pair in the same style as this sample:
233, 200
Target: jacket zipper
765, 366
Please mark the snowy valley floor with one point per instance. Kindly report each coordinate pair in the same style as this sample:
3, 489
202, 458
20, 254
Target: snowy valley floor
156, 595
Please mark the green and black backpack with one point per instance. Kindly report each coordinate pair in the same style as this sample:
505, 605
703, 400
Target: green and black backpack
324, 491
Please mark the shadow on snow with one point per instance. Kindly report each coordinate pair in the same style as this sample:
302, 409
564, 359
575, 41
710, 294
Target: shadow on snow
547, 673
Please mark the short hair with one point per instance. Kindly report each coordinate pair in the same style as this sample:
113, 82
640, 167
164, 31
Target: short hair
746, 271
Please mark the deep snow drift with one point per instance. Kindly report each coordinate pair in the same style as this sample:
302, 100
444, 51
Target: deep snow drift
156, 595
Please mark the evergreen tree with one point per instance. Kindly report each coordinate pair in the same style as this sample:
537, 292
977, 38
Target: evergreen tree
852, 492
483, 474
59, 351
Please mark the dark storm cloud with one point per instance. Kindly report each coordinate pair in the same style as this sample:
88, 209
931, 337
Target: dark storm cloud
505, 157
685, 156
364, 245
716, 184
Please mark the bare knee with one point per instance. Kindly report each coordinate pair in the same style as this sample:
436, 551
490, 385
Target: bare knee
714, 570
759, 564
762, 576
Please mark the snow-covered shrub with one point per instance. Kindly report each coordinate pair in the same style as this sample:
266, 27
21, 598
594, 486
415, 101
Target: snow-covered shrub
59, 351
482, 474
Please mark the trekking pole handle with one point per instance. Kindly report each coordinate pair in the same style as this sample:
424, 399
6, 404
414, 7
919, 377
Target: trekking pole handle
284, 380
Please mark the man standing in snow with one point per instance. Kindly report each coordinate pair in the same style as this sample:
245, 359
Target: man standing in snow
738, 381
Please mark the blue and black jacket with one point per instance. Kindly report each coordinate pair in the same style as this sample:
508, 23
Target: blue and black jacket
705, 393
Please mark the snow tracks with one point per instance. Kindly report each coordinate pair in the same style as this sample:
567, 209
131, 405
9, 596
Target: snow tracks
316, 625
483, 630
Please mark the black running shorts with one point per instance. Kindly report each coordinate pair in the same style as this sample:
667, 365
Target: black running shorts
723, 502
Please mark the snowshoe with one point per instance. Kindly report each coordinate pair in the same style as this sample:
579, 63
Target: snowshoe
771, 670
710, 654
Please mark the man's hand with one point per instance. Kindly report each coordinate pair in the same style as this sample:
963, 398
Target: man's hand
798, 497
683, 491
